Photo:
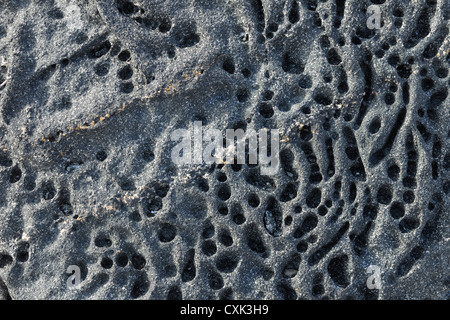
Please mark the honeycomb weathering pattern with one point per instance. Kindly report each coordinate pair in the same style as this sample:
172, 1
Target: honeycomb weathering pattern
90, 92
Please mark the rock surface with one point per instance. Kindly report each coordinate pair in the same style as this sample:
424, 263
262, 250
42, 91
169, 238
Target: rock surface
90, 92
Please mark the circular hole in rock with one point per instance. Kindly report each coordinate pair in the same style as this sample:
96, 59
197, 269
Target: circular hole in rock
288, 221
135, 216
221, 177
167, 233
165, 25
305, 81
302, 246
384, 195
228, 65
318, 290
171, 52
253, 200
226, 263
393, 60
121, 259
66, 208
266, 110
22, 252
175, 294
102, 241
427, 84
29, 183
408, 196
126, 87
267, 95
267, 274
124, 55
224, 192
125, 72
314, 197
101, 155
322, 96
152, 206
389, 98
101, 69
209, 248
106, 263
242, 94
127, 185
100, 50
408, 224
442, 73
140, 286
225, 238
138, 261
215, 281
393, 87
375, 125
5, 160
246, 73
393, 172
15, 175
147, 154
223, 209
208, 230
397, 210
306, 110
238, 218
379, 53
48, 191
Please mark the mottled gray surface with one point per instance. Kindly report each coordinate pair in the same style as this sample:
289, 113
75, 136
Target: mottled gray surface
90, 91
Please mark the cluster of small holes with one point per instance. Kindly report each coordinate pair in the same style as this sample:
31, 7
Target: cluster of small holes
103, 66
315, 174
3, 74
112, 259
125, 73
22, 254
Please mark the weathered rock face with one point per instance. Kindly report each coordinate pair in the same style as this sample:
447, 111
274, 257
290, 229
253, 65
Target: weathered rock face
91, 92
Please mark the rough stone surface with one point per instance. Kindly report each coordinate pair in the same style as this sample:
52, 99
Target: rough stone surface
90, 91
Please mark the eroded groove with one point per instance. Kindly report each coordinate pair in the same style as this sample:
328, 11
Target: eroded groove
340, 9
320, 253
422, 28
367, 71
377, 156
260, 16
